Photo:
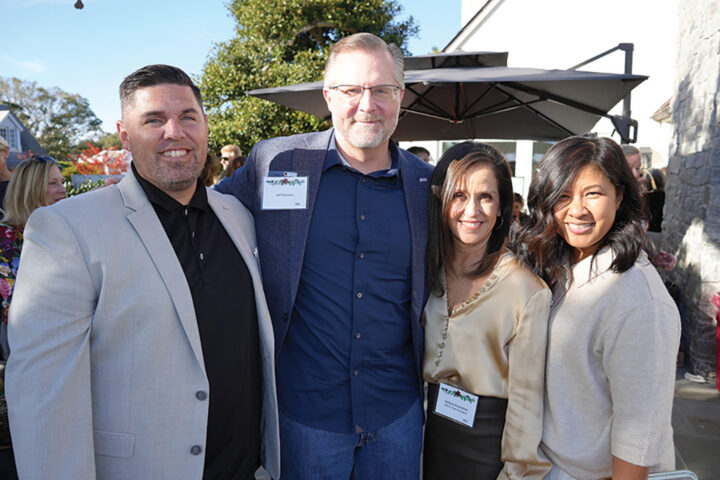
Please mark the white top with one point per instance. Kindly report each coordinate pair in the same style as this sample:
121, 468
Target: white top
612, 348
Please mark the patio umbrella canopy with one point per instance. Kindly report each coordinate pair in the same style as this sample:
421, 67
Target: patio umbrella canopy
461, 102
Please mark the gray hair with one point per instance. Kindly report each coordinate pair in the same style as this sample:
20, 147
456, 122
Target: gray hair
367, 42
629, 150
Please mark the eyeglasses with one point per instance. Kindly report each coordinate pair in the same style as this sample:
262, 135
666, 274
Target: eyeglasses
225, 158
380, 93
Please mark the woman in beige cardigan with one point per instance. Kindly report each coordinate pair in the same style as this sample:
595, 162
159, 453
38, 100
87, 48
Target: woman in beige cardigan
614, 330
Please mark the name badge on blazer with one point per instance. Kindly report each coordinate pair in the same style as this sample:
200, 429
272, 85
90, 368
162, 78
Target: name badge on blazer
284, 191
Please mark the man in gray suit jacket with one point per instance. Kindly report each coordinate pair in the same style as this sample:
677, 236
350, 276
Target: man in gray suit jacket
141, 343
341, 218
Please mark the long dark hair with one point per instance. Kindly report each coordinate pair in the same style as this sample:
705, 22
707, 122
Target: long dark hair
451, 168
539, 244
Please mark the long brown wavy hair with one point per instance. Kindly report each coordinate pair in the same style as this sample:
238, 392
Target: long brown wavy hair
540, 246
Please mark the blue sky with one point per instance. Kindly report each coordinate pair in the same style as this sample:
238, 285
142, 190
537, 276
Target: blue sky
90, 51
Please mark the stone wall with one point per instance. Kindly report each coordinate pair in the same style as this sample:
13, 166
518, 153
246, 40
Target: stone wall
691, 222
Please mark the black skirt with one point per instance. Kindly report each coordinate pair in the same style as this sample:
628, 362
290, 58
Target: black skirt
455, 451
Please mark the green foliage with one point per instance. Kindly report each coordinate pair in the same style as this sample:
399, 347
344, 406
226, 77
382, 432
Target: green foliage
108, 140
82, 188
283, 42
57, 119
68, 169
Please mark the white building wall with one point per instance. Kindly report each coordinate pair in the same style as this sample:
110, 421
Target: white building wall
562, 33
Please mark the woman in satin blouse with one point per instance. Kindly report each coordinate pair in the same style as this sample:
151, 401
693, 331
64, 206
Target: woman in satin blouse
485, 328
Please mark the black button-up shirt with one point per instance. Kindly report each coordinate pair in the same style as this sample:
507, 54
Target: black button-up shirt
224, 301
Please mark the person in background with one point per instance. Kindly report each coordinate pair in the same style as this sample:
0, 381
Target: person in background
4, 172
517, 213
614, 330
421, 152
35, 183
235, 164
634, 161
210, 170
228, 155
518, 216
655, 198
341, 219
485, 328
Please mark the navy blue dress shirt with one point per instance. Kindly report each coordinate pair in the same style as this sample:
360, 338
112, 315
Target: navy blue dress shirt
347, 363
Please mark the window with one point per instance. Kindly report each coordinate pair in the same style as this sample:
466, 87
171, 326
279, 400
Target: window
9, 135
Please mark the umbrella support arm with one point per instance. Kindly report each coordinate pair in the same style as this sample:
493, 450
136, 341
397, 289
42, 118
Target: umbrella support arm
624, 123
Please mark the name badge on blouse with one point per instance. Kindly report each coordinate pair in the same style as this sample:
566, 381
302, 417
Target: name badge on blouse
287, 192
455, 404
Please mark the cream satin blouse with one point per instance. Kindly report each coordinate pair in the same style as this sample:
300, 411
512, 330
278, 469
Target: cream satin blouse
494, 345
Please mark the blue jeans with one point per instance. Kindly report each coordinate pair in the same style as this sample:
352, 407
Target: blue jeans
390, 452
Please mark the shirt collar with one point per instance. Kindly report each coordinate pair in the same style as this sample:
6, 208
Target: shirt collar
161, 199
334, 157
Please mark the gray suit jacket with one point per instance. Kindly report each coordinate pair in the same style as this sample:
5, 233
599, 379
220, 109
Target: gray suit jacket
105, 356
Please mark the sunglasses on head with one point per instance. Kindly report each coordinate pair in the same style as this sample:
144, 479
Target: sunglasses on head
44, 159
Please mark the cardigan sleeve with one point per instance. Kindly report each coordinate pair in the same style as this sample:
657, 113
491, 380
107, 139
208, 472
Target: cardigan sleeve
526, 378
639, 355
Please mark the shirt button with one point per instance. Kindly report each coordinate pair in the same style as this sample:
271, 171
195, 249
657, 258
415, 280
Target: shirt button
285, 316
196, 449
362, 255
200, 395
362, 217
362, 180
202, 256
442, 345
356, 373
186, 211
359, 295
358, 335
437, 362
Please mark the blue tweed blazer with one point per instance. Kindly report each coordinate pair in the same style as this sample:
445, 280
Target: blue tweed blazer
281, 234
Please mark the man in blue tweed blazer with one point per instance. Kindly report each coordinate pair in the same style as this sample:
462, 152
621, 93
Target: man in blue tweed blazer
341, 221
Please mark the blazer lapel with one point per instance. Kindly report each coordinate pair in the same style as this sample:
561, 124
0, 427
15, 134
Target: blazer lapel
415, 189
232, 227
307, 160
148, 227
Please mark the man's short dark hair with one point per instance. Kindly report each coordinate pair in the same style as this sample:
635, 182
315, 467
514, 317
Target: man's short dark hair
151, 75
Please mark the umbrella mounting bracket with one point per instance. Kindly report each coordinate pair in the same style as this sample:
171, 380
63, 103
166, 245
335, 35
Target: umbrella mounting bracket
623, 124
